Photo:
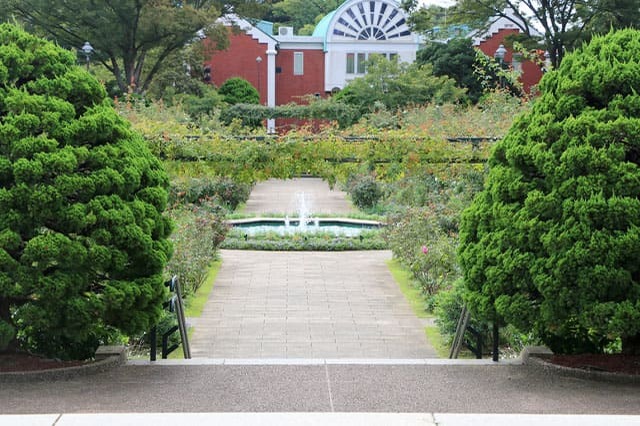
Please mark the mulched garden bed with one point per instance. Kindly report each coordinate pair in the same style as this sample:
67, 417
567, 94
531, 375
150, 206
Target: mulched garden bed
618, 363
15, 362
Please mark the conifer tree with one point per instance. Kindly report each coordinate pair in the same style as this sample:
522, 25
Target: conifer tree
83, 242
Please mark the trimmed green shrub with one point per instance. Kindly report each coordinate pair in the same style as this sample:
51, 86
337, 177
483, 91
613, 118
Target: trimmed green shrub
552, 243
223, 190
317, 241
237, 90
365, 191
83, 242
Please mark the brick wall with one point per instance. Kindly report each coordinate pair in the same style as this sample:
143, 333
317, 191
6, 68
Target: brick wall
239, 60
531, 72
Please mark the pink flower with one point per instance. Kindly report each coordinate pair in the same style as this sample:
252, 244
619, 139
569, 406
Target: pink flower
425, 249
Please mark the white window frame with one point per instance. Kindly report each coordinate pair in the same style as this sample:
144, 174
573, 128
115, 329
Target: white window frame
298, 63
359, 60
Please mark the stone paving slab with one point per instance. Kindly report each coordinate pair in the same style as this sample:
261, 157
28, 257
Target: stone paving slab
308, 305
283, 197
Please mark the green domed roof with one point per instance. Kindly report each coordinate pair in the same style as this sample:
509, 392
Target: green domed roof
323, 26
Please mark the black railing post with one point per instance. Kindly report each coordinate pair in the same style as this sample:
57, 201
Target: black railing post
496, 341
153, 343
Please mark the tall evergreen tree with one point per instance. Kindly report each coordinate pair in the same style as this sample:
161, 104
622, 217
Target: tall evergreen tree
83, 241
551, 245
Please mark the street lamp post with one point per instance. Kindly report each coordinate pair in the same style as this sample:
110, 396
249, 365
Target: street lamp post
87, 49
499, 56
258, 62
547, 60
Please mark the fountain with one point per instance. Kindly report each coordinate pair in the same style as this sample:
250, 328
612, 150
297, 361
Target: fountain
303, 206
336, 226
304, 223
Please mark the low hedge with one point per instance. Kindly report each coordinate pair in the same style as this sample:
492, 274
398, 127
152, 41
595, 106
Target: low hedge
368, 240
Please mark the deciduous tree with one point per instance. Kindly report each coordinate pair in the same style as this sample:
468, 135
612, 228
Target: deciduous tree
564, 23
131, 38
394, 84
454, 59
302, 13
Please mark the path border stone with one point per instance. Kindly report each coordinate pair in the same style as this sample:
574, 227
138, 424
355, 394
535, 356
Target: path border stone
106, 358
538, 356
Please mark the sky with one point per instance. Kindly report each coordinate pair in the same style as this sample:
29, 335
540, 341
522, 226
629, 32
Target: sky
445, 3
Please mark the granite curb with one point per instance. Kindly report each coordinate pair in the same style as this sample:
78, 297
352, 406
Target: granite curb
537, 356
106, 358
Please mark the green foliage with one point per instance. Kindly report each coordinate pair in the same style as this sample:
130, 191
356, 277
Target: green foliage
571, 22
301, 13
417, 238
551, 245
434, 22
237, 90
223, 191
397, 85
610, 15
199, 106
321, 109
364, 191
317, 241
496, 76
131, 39
200, 229
182, 73
422, 232
7, 334
83, 242
454, 59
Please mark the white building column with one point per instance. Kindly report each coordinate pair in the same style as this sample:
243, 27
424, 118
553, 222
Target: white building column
271, 86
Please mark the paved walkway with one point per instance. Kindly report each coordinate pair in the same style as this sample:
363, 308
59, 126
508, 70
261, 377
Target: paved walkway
322, 388
308, 305
283, 197
315, 305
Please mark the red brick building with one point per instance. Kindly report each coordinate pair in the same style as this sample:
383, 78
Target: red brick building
285, 67
489, 42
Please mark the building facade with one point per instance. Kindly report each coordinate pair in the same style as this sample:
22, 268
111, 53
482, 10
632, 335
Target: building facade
490, 40
287, 68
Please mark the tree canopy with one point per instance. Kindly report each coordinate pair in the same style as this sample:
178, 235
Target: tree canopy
130, 38
552, 243
455, 59
564, 23
392, 84
302, 14
83, 242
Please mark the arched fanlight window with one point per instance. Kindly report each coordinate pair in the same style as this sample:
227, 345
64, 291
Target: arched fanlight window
371, 20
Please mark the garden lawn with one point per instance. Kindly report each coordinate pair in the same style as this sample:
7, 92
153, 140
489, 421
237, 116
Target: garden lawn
412, 293
195, 304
